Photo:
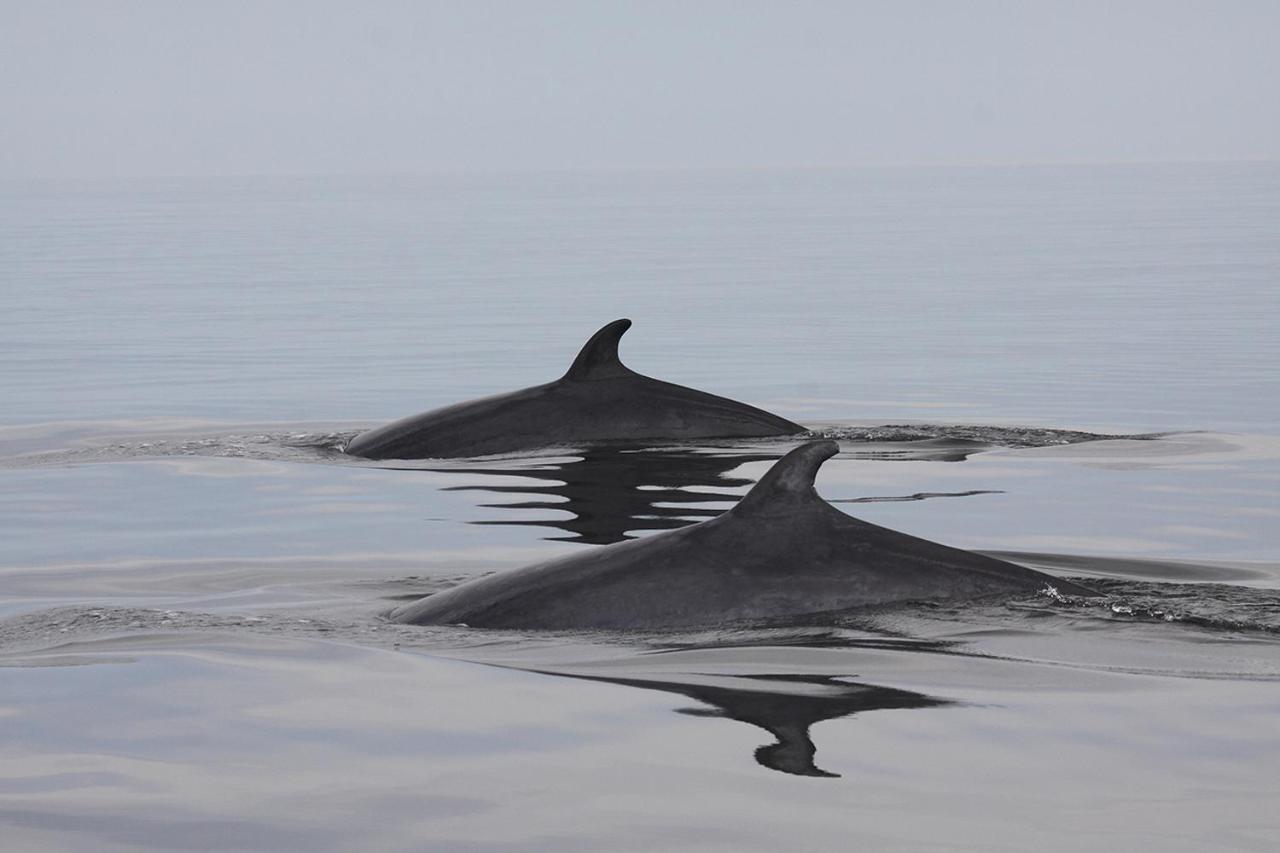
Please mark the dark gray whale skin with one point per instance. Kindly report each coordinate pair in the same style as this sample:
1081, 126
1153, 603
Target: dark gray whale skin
598, 400
781, 552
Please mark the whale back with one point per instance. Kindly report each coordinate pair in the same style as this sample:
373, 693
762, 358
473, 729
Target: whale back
781, 552
599, 399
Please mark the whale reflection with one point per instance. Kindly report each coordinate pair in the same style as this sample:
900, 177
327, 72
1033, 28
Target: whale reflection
610, 493
785, 706
606, 494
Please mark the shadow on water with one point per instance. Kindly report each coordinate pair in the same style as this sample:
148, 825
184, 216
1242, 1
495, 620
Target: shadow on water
609, 493
785, 706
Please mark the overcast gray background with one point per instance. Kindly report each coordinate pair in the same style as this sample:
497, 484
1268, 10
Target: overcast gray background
210, 88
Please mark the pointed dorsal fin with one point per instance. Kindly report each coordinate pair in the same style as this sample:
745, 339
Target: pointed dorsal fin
789, 481
598, 358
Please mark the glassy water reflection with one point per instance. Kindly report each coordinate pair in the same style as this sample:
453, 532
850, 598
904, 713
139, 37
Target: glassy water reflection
610, 493
785, 706
607, 494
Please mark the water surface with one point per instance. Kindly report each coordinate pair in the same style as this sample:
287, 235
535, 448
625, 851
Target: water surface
192, 575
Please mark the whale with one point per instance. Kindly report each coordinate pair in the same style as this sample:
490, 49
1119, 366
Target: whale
782, 552
598, 400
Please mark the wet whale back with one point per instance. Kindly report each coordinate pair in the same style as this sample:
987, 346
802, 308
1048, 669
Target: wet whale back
599, 399
782, 551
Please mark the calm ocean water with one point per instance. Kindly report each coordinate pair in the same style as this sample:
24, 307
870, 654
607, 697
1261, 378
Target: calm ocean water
1134, 296
191, 577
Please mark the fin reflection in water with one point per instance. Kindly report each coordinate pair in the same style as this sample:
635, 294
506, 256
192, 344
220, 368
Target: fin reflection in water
785, 706
609, 493
612, 492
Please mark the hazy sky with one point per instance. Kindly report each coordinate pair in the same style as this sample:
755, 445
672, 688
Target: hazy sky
171, 87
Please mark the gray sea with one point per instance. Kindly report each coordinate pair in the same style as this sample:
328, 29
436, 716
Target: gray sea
1075, 368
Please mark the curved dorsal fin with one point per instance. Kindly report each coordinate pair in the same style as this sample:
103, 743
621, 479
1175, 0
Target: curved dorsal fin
790, 480
598, 358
